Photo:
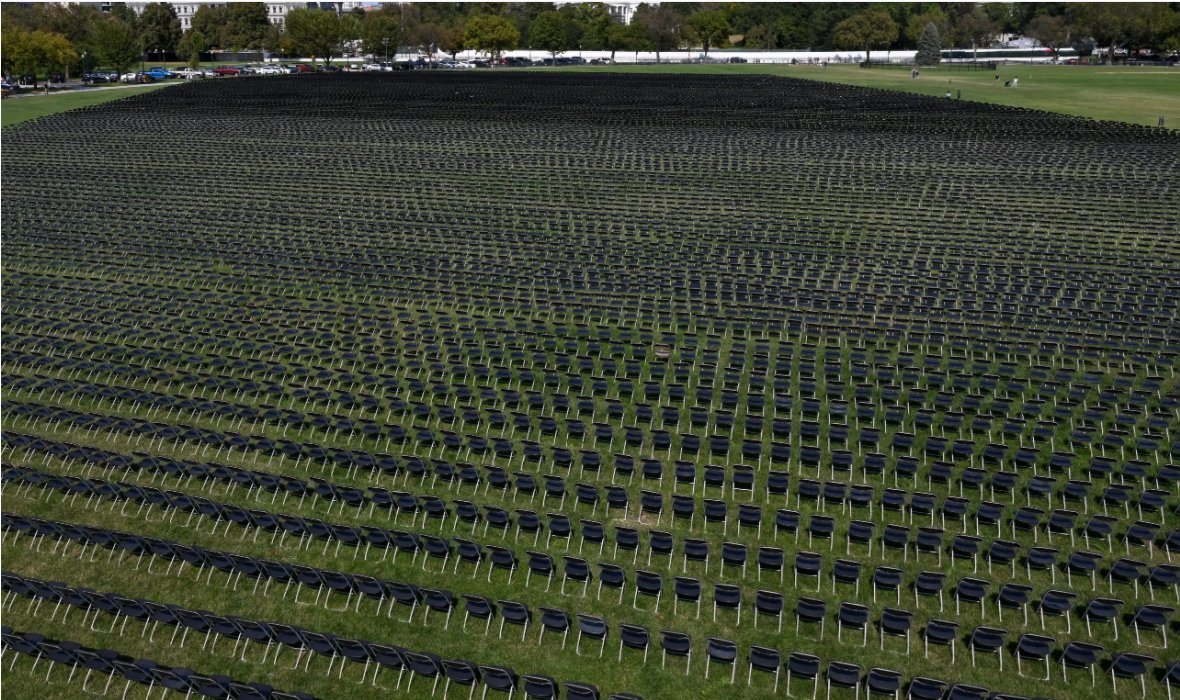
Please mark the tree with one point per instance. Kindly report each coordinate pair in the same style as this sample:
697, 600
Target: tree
548, 32
977, 29
594, 24
1050, 31
116, 43
380, 31
317, 33
870, 29
916, 25
191, 46
663, 27
618, 38
929, 47
710, 27
36, 51
450, 40
159, 28
491, 34
212, 21
246, 24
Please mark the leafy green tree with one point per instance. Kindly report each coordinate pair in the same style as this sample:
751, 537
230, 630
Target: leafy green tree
618, 38
977, 29
36, 51
116, 43
491, 34
212, 21
159, 29
916, 24
663, 27
594, 25
192, 45
867, 30
549, 32
710, 27
246, 24
1050, 31
929, 47
380, 32
451, 40
317, 33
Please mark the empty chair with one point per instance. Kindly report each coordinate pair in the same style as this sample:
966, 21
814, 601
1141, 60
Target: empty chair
854, 616
580, 691
460, 672
988, 640
676, 644
897, 623
721, 651
633, 637
497, 678
575, 569
805, 666
1103, 610
480, 608
1080, 655
688, 590
881, 681
733, 554
513, 613
944, 632
1034, 646
538, 687
554, 620
808, 564
1153, 617
649, 584
1129, 665
811, 610
1058, 603
770, 559
768, 603
764, 659
929, 583
593, 627
612, 576
842, 674
727, 596
922, 688
542, 564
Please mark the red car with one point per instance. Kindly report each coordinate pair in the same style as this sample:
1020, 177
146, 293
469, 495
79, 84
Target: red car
227, 70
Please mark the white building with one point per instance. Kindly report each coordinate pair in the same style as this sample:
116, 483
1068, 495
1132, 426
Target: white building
621, 11
276, 12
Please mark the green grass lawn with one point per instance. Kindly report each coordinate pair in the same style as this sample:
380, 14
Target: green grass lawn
21, 109
1134, 95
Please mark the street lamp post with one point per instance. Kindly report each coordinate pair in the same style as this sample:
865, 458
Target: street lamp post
385, 41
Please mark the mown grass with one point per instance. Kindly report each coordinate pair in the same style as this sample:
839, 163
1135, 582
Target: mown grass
17, 110
1136, 95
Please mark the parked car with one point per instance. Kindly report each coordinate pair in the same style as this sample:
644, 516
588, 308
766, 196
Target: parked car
227, 70
57, 77
600, 61
372, 67
160, 73
737, 59
303, 68
189, 73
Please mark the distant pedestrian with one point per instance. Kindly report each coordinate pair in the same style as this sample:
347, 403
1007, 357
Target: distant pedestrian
948, 94
1007, 83
1015, 82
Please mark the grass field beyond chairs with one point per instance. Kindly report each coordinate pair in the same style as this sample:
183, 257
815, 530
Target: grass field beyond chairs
587, 385
21, 109
1136, 95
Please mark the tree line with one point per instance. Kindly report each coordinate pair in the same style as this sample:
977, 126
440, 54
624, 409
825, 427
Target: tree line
72, 37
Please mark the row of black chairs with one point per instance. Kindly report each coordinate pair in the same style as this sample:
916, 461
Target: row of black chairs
133, 670
306, 643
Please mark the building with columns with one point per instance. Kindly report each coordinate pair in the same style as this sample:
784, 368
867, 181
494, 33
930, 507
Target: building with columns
276, 12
